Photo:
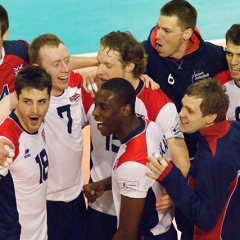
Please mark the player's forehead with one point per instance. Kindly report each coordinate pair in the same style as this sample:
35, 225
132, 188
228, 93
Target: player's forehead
33, 94
53, 53
106, 54
231, 47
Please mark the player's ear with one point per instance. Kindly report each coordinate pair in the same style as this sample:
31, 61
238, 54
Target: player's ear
5, 35
126, 110
210, 118
130, 67
15, 97
187, 34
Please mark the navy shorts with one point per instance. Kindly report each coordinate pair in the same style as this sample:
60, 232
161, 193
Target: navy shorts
67, 221
100, 226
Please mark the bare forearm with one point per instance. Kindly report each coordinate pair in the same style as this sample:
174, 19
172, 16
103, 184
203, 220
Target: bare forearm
82, 62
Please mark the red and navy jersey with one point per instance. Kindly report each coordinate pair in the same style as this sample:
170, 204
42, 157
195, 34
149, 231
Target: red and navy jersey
14, 58
210, 199
129, 176
24, 184
202, 59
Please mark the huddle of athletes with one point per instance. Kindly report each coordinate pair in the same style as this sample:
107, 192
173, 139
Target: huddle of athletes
156, 154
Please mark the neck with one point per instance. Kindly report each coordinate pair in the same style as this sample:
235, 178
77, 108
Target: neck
182, 50
56, 93
133, 81
127, 127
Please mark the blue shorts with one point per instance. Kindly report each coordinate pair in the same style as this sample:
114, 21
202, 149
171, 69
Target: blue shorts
67, 221
100, 226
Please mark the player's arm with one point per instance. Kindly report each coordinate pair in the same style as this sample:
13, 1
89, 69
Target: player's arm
168, 120
149, 82
204, 204
180, 156
7, 104
130, 215
94, 190
82, 62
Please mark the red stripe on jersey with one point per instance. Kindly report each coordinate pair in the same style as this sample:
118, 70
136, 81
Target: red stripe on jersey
11, 131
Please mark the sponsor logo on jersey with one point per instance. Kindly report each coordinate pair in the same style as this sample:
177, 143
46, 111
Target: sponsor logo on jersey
175, 130
43, 136
163, 146
27, 153
17, 69
198, 74
75, 98
133, 185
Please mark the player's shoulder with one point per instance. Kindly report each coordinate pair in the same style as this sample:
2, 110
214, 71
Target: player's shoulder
17, 48
75, 79
10, 129
154, 95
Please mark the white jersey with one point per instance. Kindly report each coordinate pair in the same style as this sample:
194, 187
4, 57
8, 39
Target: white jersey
129, 176
24, 185
151, 104
233, 91
63, 128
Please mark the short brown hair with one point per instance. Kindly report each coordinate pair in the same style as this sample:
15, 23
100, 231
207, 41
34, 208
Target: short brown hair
213, 95
4, 21
183, 10
233, 34
129, 49
45, 40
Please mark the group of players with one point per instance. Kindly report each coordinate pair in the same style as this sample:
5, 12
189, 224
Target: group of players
42, 183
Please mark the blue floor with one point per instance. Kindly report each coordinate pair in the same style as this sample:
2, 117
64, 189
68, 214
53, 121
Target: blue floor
81, 23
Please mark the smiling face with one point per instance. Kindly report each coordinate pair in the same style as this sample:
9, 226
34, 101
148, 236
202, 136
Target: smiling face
233, 59
107, 113
170, 37
191, 116
32, 106
55, 60
109, 64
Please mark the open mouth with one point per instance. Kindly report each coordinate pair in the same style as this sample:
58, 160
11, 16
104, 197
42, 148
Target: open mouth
63, 78
235, 70
34, 120
100, 124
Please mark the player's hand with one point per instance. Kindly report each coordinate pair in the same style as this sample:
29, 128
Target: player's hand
93, 190
157, 166
6, 156
149, 82
89, 83
163, 202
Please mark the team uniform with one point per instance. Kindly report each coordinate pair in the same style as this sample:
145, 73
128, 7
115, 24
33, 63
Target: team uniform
14, 58
233, 91
129, 178
202, 59
24, 184
63, 123
154, 105
211, 201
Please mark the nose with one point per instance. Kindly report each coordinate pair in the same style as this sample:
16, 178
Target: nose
99, 69
34, 108
234, 60
95, 111
64, 67
159, 33
181, 113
